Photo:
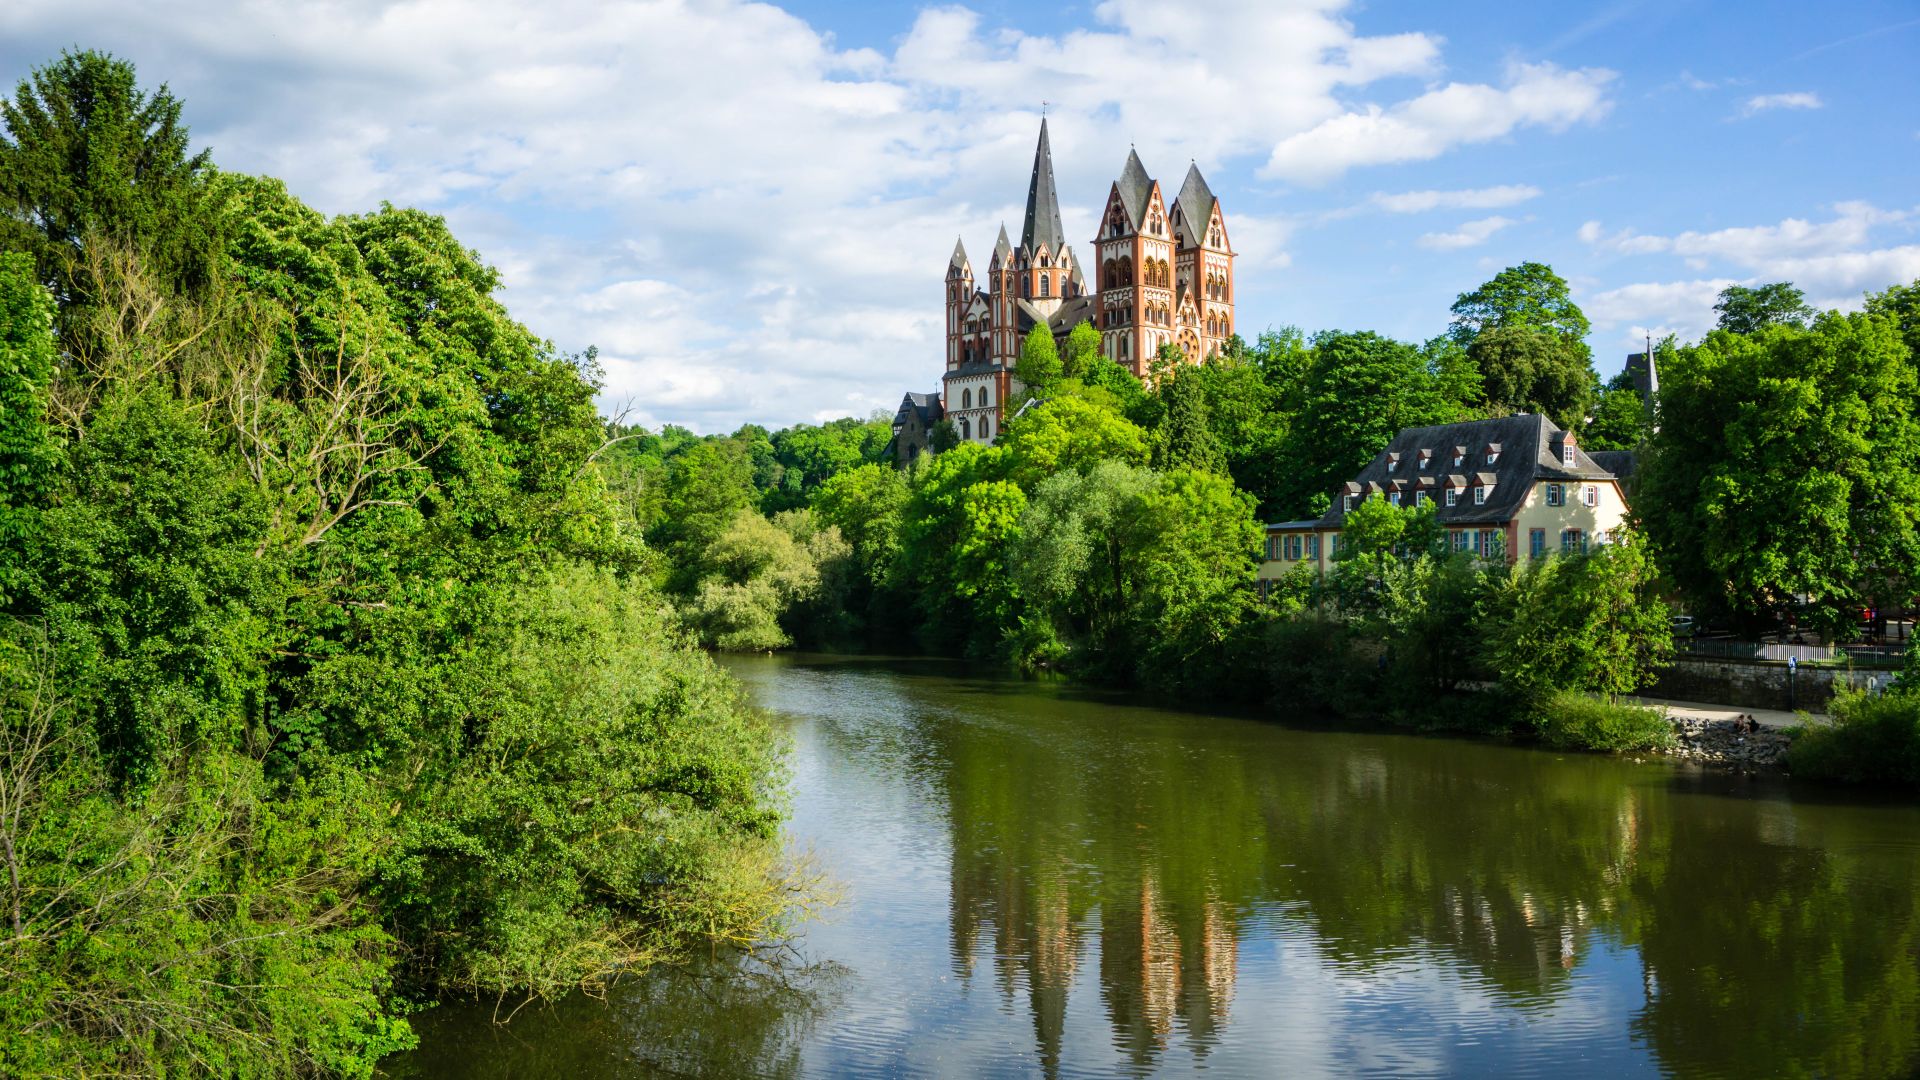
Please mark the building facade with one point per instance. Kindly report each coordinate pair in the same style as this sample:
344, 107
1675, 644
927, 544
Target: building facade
1504, 489
1165, 278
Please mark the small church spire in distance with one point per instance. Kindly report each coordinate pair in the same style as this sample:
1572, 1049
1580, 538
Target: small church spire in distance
1043, 204
959, 254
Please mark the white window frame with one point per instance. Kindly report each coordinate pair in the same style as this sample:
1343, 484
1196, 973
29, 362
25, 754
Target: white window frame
1569, 454
1394, 498
1591, 496
1453, 496
1480, 494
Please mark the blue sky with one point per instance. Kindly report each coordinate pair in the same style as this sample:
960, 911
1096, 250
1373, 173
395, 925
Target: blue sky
748, 208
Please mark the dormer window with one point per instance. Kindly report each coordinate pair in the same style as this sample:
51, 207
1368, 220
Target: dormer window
1493, 453
1346, 502
1419, 498
1459, 456
1393, 462
1480, 494
1569, 453
1453, 496
1394, 498
1426, 458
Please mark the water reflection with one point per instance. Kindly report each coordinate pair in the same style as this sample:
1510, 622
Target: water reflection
1045, 881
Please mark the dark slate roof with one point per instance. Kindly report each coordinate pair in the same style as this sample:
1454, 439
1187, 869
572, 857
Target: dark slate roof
1196, 203
1621, 463
959, 256
1070, 314
1043, 204
1642, 375
928, 407
1529, 453
1002, 249
973, 369
1135, 187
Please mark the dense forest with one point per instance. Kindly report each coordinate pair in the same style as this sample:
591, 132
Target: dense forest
350, 659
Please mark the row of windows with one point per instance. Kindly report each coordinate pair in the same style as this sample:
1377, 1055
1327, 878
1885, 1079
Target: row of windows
1294, 547
1426, 458
1557, 495
1486, 543
966, 398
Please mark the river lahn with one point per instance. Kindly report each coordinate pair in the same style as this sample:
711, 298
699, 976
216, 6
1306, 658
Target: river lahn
1036, 879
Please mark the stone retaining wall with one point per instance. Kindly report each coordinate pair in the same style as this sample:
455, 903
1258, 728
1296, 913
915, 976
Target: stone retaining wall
1756, 684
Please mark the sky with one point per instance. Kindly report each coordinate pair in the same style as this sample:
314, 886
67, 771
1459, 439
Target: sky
748, 209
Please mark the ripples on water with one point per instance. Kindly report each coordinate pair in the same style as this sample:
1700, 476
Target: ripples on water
1041, 881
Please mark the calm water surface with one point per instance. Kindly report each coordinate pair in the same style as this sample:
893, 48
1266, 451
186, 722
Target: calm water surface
1039, 880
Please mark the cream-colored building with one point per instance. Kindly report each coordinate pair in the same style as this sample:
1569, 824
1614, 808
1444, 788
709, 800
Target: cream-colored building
1512, 487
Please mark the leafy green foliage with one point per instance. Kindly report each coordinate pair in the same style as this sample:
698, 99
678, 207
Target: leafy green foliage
1748, 309
1523, 369
1038, 367
1621, 419
1811, 432
1592, 623
1530, 295
1867, 739
28, 454
1576, 721
1360, 390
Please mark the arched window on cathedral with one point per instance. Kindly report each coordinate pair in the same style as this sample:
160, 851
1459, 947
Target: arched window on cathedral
966, 430
986, 396
966, 399
1046, 286
986, 427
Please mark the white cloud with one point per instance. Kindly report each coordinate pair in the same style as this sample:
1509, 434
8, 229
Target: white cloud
1536, 95
1833, 262
1469, 234
1802, 99
1488, 198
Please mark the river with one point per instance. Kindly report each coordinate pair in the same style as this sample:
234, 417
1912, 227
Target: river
1040, 880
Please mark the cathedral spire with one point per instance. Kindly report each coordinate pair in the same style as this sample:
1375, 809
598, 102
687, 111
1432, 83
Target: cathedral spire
959, 260
1043, 205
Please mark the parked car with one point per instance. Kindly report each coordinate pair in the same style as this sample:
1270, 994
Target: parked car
1683, 626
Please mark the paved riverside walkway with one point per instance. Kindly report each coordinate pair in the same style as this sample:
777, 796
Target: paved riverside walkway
1700, 710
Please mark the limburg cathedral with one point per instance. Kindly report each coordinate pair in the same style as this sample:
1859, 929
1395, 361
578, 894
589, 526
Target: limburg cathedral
1163, 276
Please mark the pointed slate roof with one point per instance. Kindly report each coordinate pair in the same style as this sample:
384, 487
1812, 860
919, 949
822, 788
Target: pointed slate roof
1043, 203
1196, 203
1135, 187
1002, 249
959, 257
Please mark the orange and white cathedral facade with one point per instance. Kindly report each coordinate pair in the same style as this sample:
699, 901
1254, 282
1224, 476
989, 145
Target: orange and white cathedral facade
1162, 275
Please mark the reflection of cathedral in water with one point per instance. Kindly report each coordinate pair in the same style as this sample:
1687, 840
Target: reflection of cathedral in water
1162, 965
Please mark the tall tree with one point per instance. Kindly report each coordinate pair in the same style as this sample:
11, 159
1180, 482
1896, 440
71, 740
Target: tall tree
1787, 465
1745, 310
88, 152
1184, 438
1529, 295
1083, 345
26, 444
1039, 363
1523, 369
1358, 391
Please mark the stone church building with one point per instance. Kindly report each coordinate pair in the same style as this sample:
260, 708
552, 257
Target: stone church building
1163, 276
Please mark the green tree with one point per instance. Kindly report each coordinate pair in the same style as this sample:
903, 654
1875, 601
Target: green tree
1901, 304
27, 450
943, 436
1744, 309
1070, 433
88, 153
1785, 466
1039, 365
1083, 345
1524, 369
1184, 438
1530, 295
1359, 390
1591, 623
1621, 419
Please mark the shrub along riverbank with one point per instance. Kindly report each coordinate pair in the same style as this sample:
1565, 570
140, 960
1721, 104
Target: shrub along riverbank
333, 677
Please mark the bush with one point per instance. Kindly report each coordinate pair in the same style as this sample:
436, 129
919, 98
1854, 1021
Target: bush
1573, 721
1871, 740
